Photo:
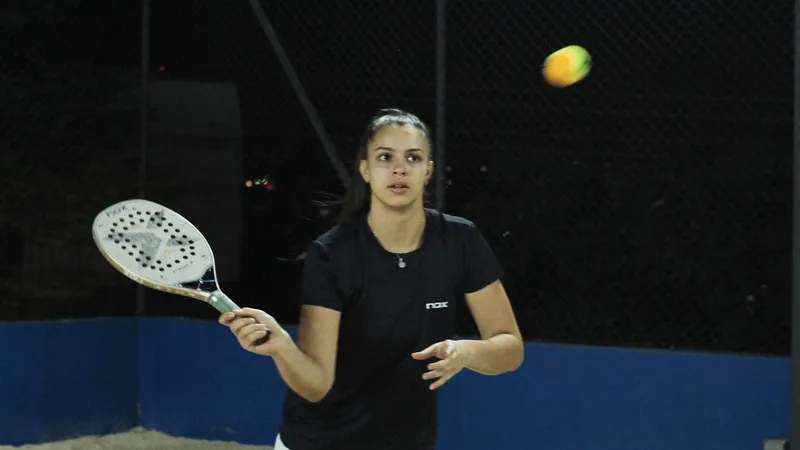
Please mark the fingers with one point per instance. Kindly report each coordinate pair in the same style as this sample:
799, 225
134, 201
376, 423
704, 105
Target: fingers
440, 350
249, 312
229, 318
258, 315
432, 374
442, 366
427, 353
240, 323
248, 329
439, 369
441, 381
226, 318
444, 369
241, 317
251, 334
250, 325
443, 377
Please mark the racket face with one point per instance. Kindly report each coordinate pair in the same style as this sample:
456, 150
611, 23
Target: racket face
156, 247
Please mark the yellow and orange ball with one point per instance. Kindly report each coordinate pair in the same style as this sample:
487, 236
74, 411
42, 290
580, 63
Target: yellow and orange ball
567, 66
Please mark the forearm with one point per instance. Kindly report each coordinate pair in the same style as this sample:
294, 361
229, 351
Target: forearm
494, 356
302, 374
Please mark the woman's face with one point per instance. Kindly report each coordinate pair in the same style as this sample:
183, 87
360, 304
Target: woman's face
397, 166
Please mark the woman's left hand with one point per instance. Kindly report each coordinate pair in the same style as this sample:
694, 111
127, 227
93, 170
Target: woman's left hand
452, 360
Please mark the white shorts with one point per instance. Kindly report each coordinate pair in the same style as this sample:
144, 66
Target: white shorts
279, 444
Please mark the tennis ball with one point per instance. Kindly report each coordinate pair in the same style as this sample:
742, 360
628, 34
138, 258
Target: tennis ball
567, 66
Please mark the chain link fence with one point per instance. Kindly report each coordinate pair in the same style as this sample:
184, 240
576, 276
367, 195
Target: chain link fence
651, 203
648, 205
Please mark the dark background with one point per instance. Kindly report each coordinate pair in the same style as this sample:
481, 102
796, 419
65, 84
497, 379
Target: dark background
647, 206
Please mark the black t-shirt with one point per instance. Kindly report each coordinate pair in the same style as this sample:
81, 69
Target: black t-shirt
379, 400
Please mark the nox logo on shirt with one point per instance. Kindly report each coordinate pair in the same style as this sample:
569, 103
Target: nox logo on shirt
436, 305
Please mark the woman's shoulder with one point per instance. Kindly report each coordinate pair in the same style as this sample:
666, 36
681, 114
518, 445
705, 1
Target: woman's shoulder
336, 238
450, 223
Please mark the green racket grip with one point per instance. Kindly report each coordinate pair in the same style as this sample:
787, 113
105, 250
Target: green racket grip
224, 304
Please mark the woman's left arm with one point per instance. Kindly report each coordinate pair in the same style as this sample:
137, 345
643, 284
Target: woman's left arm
500, 348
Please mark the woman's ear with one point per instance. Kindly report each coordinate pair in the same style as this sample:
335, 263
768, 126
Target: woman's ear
363, 168
429, 173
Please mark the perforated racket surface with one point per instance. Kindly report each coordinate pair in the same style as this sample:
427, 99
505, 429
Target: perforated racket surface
158, 248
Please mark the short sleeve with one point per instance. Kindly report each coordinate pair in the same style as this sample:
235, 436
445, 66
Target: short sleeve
481, 267
319, 286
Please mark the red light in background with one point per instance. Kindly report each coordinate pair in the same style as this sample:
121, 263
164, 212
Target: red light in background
260, 181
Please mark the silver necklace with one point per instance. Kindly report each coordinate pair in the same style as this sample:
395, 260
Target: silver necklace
400, 262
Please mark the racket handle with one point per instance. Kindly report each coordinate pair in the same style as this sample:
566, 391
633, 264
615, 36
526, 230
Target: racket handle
224, 304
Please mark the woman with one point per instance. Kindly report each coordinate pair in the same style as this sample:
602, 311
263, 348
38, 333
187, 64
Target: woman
380, 296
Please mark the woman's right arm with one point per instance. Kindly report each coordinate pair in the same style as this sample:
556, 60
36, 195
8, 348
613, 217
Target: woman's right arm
308, 367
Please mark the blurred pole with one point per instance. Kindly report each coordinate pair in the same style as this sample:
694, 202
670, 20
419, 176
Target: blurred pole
794, 431
441, 98
302, 96
143, 106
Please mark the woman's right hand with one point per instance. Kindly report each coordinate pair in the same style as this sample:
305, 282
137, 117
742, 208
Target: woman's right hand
249, 325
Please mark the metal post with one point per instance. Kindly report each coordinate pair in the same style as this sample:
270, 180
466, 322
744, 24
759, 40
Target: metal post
794, 432
305, 101
441, 99
143, 106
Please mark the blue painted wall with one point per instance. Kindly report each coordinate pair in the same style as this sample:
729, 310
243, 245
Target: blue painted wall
193, 380
67, 379
614, 399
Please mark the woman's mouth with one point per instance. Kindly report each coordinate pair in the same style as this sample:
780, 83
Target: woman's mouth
398, 189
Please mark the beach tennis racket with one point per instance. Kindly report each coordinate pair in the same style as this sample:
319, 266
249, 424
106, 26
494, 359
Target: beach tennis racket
158, 248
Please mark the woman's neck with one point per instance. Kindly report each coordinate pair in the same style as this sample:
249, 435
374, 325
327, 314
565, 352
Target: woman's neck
398, 231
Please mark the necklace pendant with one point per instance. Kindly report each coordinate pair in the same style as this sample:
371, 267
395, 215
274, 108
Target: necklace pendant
400, 263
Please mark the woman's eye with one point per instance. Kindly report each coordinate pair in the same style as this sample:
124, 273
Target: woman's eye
410, 158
